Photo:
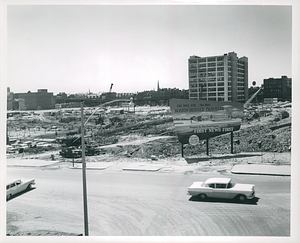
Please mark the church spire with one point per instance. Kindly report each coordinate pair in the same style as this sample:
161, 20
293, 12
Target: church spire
157, 85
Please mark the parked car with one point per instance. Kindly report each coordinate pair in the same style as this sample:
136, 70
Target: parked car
222, 188
18, 186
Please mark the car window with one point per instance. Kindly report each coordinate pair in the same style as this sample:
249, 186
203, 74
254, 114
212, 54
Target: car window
12, 185
211, 185
230, 184
220, 185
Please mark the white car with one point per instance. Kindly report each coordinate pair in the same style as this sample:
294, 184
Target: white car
222, 188
18, 186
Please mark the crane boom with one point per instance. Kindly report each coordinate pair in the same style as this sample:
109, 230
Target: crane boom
252, 97
111, 85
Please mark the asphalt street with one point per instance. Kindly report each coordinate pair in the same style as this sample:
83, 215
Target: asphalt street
143, 203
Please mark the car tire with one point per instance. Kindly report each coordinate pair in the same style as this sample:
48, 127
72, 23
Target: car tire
242, 198
8, 196
29, 187
202, 196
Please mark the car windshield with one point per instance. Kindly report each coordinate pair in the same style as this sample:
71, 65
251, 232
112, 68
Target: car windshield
231, 184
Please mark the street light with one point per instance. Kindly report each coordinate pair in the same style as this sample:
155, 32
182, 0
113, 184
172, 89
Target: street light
85, 208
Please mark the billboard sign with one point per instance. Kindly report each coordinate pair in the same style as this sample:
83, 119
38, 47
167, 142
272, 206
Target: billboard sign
196, 120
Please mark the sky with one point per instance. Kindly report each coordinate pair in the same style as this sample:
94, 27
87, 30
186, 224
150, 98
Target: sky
82, 48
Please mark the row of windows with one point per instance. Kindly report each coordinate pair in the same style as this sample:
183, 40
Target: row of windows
204, 74
210, 62
209, 90
212, 99
210, 82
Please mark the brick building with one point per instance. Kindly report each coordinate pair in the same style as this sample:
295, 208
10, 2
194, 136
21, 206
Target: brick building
280, 88
41, 100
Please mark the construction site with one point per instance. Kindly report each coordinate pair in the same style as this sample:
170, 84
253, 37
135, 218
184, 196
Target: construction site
145, 132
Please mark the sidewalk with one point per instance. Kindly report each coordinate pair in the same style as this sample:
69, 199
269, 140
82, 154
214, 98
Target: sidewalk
19, 162
260, 169
255, 169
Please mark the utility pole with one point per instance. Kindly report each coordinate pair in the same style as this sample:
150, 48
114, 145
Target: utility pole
85, 209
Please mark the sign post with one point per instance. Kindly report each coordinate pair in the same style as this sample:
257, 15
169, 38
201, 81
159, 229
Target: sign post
207, 149
231, 142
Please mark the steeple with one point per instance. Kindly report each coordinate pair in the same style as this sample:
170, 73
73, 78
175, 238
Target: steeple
157, 85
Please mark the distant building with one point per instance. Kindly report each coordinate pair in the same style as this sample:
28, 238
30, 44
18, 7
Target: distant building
219, 78
160, 97
280, 88
41, 100
10, 99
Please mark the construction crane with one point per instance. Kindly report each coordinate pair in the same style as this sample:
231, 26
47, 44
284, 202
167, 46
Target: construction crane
252, 97
111, 85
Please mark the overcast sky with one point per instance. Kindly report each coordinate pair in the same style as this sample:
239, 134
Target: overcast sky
75, 49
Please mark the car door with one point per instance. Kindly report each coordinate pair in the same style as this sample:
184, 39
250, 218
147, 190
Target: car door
220, 191
18, 186
210, 189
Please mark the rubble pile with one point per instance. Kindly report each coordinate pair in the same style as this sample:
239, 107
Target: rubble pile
35, 132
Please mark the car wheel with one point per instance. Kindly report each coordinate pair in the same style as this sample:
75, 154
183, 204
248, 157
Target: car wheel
203, 196
8, 196
29, 187
242, 198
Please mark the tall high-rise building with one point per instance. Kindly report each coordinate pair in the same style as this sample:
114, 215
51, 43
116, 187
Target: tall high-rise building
219, 78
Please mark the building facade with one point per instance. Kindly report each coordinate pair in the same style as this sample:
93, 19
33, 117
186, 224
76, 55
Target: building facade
41, 100
218, 78
280, 88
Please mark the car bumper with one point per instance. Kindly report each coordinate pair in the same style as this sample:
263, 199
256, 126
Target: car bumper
251, 196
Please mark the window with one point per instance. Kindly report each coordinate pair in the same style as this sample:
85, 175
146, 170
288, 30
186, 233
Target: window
220, 185
211, 59
211, 185
230, 184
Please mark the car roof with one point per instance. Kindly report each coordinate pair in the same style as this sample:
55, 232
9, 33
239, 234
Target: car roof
217, 180
10, 182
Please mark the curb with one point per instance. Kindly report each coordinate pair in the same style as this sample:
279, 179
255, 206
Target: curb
270, 170
143, 167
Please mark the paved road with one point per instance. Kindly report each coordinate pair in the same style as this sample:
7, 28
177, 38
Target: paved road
133, 203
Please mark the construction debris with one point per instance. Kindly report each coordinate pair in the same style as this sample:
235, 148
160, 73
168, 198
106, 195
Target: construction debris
264, 129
